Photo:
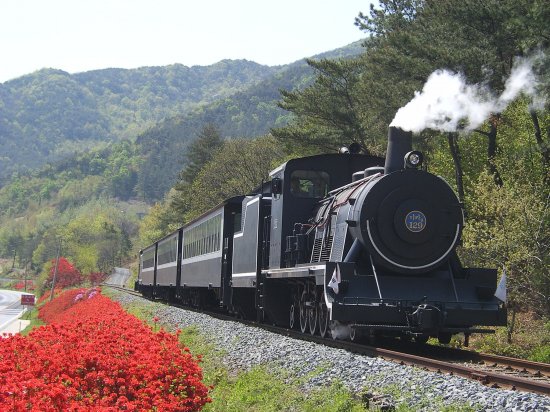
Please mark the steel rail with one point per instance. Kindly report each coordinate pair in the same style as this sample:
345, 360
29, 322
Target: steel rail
466, 355
537, 367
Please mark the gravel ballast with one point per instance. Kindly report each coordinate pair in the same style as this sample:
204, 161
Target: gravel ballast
244, 347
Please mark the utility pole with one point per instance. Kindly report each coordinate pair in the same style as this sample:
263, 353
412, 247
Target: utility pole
26, 264
55, 270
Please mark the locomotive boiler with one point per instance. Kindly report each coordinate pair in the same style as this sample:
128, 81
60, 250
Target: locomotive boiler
334, 242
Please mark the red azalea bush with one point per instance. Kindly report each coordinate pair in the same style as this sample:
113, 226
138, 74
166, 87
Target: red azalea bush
95, 356
51, 311
67, 274
21, 285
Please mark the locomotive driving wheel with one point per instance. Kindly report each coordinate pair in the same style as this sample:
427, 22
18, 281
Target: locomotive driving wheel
292, 320
323, 319
312, 318
303, 312
353, 335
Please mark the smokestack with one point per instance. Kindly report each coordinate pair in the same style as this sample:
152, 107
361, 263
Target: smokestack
399, 144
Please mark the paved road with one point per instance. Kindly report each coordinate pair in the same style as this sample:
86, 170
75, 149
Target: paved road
10, 307
119, 277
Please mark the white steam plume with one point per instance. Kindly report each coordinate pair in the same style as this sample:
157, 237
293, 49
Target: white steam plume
447, 103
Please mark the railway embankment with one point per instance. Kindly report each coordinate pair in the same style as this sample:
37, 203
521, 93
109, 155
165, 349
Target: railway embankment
312, 365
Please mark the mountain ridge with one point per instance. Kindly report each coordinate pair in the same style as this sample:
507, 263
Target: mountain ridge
53, 114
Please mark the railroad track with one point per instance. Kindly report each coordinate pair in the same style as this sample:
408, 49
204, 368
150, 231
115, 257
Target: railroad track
491, 370
488, 362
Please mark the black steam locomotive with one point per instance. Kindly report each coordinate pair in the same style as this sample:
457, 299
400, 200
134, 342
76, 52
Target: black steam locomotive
333, 242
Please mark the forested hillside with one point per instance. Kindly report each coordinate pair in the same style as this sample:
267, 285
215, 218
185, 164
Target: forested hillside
84, 203
52, 113
246, 114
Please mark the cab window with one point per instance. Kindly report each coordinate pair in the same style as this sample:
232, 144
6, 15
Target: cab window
309, 183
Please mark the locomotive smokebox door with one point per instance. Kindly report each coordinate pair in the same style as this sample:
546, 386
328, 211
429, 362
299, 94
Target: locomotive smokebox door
409, 221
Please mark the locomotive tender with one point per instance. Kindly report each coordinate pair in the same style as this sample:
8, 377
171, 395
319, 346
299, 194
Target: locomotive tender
333, 240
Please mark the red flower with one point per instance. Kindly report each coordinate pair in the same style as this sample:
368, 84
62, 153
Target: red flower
94, 356
67, 275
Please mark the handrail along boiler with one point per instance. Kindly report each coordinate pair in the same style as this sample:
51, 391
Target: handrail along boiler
333, 240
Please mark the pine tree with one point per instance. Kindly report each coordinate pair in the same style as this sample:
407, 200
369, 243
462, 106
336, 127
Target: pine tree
199, 153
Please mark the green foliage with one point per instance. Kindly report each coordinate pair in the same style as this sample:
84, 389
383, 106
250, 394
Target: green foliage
411, 38
161, 220
541, 354
55, 115
109, 171
74, 200
330, 113
264, 389
508, 226
464, 36
96, 236
95, 241
236, 168
49, 112
256, 390
248, 113
498, 345
530, 338
240, 166
121, 170
198, 154
140, 309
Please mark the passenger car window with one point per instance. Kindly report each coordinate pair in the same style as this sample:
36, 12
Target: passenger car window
309, 183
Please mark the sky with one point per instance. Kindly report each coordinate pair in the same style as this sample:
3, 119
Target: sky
82, 35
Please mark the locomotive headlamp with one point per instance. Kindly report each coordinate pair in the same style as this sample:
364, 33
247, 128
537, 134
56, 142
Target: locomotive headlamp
413, 160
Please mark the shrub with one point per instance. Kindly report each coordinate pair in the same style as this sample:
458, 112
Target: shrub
94, 356
67, 274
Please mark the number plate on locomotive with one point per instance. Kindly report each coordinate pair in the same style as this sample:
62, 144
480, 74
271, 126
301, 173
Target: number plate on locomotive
415, 221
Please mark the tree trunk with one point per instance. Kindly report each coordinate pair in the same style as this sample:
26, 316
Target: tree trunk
452, 138
511, 325
544, 147
492, 151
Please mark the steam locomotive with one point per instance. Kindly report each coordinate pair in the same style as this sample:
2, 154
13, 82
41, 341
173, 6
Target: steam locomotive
333, 241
